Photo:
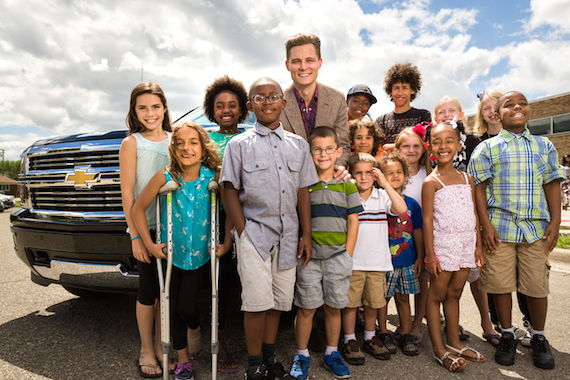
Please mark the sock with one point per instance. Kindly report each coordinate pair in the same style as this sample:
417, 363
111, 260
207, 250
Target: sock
348, 337
330, 349
254, 361
534, 332
304, 352
267, 351
511, 330
369, 335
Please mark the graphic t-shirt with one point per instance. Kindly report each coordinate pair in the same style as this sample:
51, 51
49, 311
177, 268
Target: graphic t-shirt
400, 231
393, 123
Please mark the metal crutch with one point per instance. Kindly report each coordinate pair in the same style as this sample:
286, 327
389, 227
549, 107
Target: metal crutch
215, 267
164, 283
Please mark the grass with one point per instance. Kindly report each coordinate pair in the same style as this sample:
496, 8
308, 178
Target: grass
563, 241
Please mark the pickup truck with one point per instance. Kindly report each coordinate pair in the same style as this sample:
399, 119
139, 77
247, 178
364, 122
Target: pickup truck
70, 227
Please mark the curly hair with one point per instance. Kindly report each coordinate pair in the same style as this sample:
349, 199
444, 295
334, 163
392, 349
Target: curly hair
409, 132
373, 130
140, 89
403, 73
396, 156
481, 125
228, 84
210, 157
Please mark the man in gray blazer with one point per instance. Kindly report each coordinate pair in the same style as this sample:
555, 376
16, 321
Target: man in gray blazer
311, 104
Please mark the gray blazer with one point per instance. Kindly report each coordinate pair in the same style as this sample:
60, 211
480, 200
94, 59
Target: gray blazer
331, 112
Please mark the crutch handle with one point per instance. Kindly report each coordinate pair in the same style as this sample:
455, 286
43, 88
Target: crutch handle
168, 187
212, 186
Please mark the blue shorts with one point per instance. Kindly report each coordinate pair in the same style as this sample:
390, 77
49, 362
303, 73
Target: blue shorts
402, 280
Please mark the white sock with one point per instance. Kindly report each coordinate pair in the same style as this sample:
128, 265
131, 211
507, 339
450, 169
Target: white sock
330, 349
304, 352
348, 337
534, 332
511, 330
369, 335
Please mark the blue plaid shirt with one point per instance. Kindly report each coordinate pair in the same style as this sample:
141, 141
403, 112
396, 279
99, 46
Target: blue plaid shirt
308, 113
516, 168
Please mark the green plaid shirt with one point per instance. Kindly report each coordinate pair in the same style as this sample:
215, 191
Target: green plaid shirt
516, 167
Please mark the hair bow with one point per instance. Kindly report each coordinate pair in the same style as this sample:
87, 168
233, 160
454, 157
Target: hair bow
454, 122
420, 128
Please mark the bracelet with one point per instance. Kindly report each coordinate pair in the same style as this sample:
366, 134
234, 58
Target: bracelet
135, 238
431, 262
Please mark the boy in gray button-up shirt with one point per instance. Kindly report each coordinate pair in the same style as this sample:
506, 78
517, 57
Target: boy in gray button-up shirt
266, 173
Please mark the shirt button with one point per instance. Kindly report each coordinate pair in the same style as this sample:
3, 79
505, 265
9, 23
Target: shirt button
256, 166
280, 168
283, 191
275, 146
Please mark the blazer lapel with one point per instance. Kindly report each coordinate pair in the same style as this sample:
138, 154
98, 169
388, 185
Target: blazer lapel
323, 107
294, 120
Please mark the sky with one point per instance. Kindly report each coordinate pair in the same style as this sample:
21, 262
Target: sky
69, 66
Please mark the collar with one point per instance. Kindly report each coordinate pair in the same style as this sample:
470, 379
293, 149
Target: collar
262, 130
300, 98
509, 136
374, 194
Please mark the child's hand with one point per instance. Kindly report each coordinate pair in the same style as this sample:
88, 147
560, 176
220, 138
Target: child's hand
479, 257
222, 249
305, 249
341, 174
434, 268
379, 177
140, 252
156, 251
552, 231
418, 266
489, 236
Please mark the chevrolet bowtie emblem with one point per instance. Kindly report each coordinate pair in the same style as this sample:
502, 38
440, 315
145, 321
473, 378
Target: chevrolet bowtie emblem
79, 177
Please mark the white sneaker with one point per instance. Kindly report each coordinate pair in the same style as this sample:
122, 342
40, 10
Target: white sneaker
525, 341
519, 333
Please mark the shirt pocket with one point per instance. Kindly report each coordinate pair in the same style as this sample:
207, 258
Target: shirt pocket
256, 174
539, 166
294, 170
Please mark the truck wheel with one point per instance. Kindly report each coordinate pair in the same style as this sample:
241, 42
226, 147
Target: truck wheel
89, 294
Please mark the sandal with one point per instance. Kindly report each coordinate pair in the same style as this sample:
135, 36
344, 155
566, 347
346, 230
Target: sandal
227, 366
170, 362
462, 334
194, 342
460, 353
147, 375
490, 337
448, 356
409, 346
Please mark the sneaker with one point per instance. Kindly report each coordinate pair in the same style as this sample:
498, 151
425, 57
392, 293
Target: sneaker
258, 372
184, 371
336, 365
525, 341
541, 354
375, 348
275, 370
519, 333
300, 367
387, 341
409, 346
505, 354
351, 353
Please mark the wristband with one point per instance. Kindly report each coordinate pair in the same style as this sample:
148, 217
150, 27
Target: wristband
431, 262
135, 238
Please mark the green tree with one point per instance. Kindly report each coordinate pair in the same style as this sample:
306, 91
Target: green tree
12, 169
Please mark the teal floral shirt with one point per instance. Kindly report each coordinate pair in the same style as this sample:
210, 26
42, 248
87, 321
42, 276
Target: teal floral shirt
190, 221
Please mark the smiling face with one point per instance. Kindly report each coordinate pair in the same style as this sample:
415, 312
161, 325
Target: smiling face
412, 148
446, 111
150, 111
394, 173
401, 94
358, 106
304, 65
488, 110
188, 148
362, 174
325, 152
226, 110
363, 142
514, 112
444, 143
267, 113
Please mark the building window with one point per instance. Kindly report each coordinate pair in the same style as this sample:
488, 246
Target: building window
4, 187
561, 123
539, 126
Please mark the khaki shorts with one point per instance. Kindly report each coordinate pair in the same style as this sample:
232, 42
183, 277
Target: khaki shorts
367, 288
499, 274
264, 286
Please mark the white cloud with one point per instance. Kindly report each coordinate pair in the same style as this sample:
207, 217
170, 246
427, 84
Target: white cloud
554, 13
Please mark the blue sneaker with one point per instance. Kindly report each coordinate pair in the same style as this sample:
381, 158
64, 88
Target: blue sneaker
300, 367
336, 365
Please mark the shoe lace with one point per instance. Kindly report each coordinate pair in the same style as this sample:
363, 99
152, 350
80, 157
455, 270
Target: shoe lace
299, 363
353, 346
541, 344
277, 368
182, 367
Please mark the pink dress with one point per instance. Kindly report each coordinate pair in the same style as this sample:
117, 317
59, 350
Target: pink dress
454, 233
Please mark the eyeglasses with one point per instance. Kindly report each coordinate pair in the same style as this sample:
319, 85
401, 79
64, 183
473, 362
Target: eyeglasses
481, 94
319, 151
260, 99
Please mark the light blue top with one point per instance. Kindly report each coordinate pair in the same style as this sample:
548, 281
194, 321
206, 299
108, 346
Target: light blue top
152, 156
190, 221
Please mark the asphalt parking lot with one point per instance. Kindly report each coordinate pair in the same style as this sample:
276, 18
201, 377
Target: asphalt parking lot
48, 333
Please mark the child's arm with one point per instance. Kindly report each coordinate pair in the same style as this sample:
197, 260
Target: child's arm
224, 247
419, 242
428, 192
479, 255
147, 195
351, 233
398, 203
304, 211
233, 207
553, 198
488, 233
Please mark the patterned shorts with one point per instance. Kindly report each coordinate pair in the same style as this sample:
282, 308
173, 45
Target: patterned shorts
402, 280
